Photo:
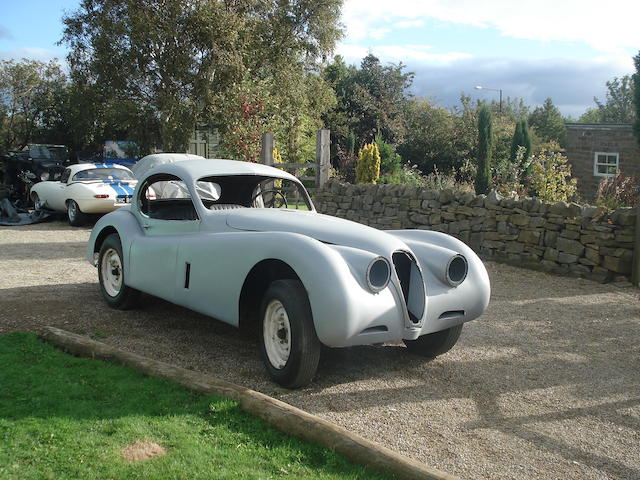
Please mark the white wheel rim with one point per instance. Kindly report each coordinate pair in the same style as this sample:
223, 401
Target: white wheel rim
72, 211
276, 331
111, 272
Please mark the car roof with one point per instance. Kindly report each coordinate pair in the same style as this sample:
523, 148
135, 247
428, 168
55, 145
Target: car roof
150, 161
77, 167
215, 167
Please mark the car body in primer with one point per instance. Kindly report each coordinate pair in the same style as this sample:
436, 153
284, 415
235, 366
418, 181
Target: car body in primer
231, 244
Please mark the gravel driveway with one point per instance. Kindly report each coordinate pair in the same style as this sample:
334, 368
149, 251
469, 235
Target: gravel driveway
545, 385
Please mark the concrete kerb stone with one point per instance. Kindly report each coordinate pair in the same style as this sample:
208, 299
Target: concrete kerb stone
278, 414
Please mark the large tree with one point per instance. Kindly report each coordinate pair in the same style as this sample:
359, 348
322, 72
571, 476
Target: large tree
618, 106
548, 123
155, 67
30, 96
370, 101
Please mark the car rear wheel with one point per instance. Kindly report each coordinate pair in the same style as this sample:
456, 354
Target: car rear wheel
111, 276
434, 344
288, 342
75, 216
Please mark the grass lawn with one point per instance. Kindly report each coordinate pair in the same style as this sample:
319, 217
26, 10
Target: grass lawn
63, 417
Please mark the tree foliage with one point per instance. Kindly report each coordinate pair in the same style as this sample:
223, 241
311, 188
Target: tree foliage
31, 93
370, 100
368, 167
485, 144
155, 67
438, 137
548, 123
618, 106
521, 138
550, 178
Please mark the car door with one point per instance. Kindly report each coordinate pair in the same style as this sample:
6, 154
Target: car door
166, 216
54, 192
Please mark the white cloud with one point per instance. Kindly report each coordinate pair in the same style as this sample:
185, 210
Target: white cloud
606, 26
409, 24
399, 53
32, 53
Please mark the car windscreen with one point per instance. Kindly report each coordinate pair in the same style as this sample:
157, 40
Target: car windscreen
253, 191
103, 174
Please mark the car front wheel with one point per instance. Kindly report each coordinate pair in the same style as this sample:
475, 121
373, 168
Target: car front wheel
289, 345
434, 344
37, 204
75, 216
111, 276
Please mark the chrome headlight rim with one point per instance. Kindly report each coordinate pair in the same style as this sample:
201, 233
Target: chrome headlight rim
457, 270
373, 274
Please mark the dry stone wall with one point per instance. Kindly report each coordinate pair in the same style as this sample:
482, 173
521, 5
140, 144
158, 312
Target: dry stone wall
564, 238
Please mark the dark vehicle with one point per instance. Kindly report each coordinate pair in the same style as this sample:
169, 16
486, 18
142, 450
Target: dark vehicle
35, 163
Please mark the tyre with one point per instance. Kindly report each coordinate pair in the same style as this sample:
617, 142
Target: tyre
111, 276
288, 342
35, 199
74, 215
433, 344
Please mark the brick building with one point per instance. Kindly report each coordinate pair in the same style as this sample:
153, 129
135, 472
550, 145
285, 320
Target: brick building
598, 151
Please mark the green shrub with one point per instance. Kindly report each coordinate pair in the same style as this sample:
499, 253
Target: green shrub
507, 176
618, 191
521, 139
550, 177
389, 160
368, 167
404, 175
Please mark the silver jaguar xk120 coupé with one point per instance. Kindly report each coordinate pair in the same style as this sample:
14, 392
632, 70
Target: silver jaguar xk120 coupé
242, 242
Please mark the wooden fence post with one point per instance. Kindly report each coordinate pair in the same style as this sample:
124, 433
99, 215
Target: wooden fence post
266, 152
322, 157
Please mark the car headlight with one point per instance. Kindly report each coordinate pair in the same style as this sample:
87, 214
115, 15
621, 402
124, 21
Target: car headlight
378, 274
457, 269
44, 176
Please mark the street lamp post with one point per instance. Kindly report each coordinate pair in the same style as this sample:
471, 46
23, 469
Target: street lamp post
480, 87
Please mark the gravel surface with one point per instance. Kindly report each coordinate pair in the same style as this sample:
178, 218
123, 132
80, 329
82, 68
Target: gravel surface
545, 385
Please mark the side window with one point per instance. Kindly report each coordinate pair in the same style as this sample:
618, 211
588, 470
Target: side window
65, 175
166, 197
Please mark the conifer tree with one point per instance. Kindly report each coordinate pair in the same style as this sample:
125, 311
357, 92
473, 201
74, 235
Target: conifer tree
368, 165
485, 146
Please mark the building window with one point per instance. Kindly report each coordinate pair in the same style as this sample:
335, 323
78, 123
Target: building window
606, 164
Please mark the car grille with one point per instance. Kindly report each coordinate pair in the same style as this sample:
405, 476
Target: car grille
411, 283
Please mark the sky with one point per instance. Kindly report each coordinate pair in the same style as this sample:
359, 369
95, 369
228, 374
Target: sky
563, 49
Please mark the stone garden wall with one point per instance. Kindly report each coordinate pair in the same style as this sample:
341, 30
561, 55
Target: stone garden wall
561, 238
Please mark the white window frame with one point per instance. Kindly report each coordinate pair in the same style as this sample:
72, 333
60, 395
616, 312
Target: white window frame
596, 173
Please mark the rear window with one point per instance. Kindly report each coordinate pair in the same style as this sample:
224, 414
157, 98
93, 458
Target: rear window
103, 174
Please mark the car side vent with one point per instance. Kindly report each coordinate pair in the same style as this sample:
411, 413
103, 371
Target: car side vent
411, 283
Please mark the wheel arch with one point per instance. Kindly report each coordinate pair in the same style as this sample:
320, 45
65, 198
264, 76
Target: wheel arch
100, 238
256, 284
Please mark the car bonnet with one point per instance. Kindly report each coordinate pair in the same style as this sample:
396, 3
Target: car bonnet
324, 228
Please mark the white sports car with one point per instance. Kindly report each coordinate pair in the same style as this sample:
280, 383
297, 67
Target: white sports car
86, 188
243, 243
